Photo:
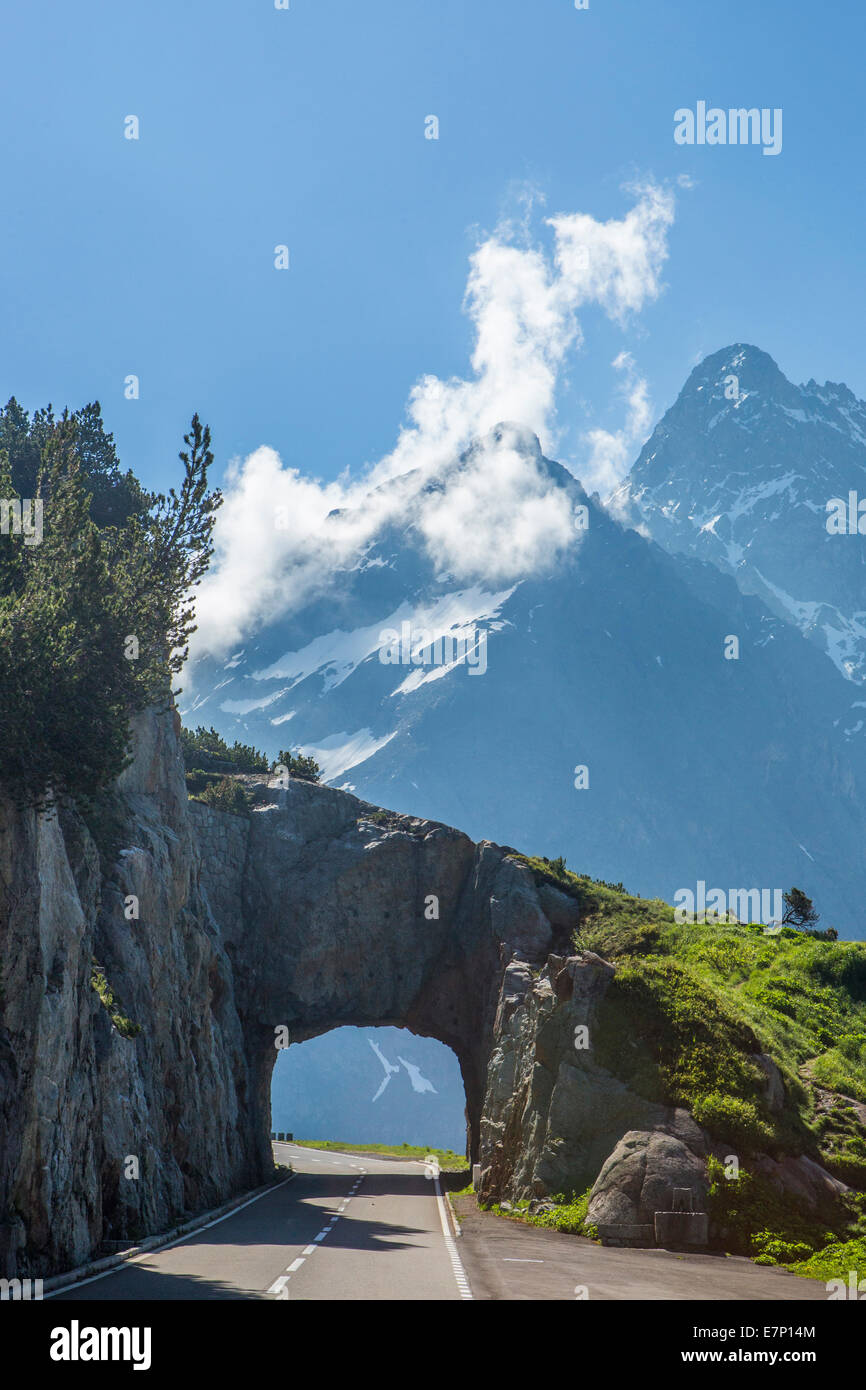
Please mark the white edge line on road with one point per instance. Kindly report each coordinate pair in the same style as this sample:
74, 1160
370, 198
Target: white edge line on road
456, 1263
91, 1279
452, 1213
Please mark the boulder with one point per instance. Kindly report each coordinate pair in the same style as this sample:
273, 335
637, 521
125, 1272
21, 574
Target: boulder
801, 1179
639, 1177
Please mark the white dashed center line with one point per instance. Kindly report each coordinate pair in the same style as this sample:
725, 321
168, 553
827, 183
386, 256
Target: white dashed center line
279, 1284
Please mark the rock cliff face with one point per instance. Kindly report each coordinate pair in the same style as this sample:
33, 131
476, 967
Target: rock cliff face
81, 1105
315, 911
552, 1116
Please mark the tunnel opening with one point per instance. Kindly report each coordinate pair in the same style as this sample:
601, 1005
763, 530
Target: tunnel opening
376, 1085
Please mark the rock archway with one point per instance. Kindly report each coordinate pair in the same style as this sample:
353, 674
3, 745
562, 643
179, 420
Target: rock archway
338, 913
148, 960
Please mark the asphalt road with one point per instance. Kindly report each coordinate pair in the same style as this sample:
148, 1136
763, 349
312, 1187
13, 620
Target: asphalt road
343, 1228
347, 1227
506, 1259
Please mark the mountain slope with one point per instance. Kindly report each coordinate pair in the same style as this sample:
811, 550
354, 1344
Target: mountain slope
736, 772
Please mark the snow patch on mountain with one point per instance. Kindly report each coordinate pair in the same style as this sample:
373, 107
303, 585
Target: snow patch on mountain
335, 655
247, 706
338, 752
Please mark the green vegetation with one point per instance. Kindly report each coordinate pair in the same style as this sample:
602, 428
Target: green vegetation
212, 767
835, 1261
227, 795
568, 1214
299, 765
732, 1118
115, 497
690, 1007
800, 913
467, 1191
204, 749
212, 764
448, 1160
758, 1220
111, 1003
613, 922
690, 1002
96, 615
673, 1039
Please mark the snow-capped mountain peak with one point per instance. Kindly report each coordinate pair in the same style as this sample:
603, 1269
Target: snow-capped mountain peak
744, 471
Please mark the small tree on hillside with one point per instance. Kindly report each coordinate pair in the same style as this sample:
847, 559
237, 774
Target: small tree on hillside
300, 766
227, 795
799, 909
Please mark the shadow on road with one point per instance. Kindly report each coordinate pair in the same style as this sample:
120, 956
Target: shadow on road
256, 1241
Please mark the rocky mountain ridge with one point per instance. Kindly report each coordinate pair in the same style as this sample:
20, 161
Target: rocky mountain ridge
740, 472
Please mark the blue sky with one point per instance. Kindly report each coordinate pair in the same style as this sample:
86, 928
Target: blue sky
306, 127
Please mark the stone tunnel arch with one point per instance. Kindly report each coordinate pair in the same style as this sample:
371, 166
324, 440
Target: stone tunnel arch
313, 911
337, 913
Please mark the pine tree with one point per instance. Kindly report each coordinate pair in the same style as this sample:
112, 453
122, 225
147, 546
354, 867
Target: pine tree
70, 675
799, 910
300, 765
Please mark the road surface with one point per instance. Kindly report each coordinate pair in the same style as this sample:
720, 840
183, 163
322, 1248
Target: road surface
343, 1228
507, 1259
347, 1227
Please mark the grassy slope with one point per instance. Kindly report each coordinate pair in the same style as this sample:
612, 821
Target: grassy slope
448, 1160
688, 1006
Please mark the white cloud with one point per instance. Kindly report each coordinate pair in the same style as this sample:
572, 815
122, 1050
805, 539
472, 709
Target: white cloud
610, 452
497, 517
